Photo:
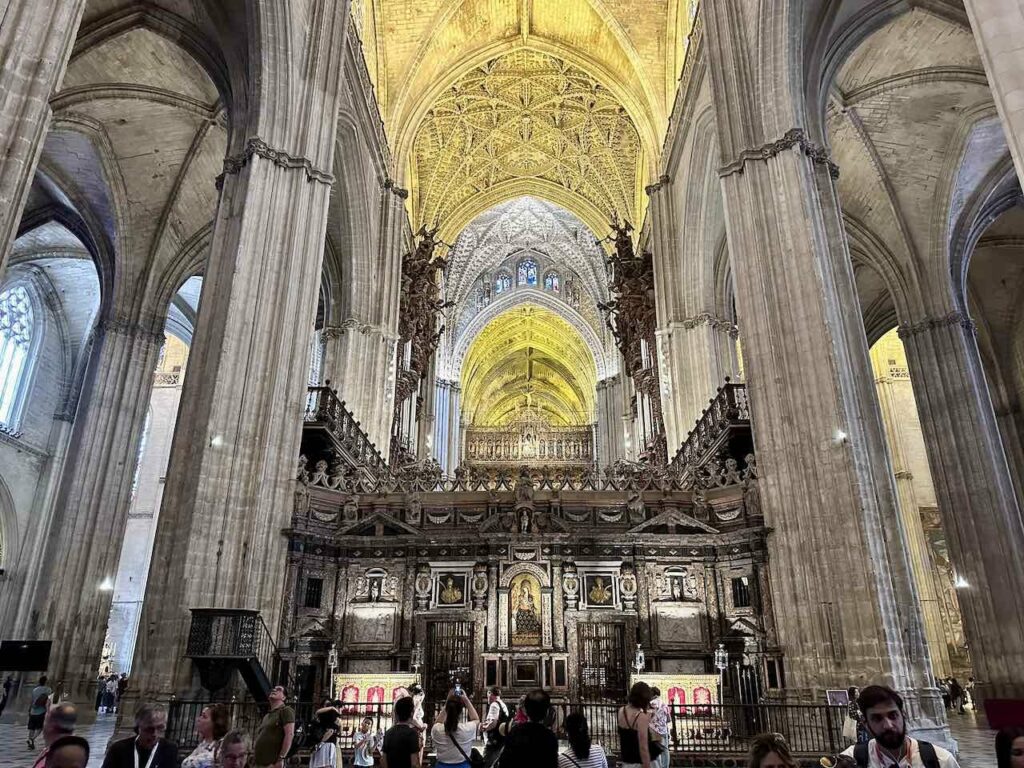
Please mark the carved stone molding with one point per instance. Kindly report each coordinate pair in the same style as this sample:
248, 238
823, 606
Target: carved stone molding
715, 323
124, 327
662, 181
392, 186
255, 146
794, 137
338, 330
906, 330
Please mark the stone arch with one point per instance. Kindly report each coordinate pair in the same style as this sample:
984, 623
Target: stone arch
519, 568
9, 533
506, 301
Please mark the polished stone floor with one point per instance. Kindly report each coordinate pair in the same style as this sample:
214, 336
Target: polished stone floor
975, 739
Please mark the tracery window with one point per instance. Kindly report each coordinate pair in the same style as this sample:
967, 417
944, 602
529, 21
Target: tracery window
552, 282
502, 282
527, 272
16, 328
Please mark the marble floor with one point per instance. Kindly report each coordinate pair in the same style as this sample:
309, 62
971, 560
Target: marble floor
975, 739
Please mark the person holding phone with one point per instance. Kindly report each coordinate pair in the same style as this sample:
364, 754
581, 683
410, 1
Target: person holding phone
453, 738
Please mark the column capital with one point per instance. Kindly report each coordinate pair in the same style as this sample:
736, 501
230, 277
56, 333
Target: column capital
794, 137
714, 322
124, 327
390, 185
657, 186
257, 147
908, 329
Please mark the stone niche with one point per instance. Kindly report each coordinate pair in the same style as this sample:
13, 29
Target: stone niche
678, 624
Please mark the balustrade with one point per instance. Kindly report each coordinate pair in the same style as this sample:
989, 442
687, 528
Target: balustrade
728, 409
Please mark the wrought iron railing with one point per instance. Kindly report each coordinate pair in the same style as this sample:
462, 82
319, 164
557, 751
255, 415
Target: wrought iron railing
223, 633
324, 408
717, 729
728, 408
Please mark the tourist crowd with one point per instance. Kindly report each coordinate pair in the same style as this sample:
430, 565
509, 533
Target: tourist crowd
525, 738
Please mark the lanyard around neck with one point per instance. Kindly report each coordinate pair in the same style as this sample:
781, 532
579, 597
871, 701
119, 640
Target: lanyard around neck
135, 753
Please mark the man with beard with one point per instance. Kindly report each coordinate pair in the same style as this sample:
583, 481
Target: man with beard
890, 747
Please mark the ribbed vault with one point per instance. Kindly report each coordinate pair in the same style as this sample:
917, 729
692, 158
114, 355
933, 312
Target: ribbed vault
528, 360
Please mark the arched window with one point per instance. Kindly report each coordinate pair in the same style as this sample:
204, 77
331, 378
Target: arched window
16, 327
502, 282
552, 282
527, 272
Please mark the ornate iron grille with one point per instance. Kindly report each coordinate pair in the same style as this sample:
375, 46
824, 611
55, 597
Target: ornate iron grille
449, 654
603, 662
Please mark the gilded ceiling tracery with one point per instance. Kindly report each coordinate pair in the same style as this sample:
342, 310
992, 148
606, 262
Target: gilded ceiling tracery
528, 358
525, 117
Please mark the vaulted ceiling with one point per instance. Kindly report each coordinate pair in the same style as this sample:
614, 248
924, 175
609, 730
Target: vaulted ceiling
528, 357
487, 100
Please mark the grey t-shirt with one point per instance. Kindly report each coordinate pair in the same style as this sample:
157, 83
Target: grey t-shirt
39, 694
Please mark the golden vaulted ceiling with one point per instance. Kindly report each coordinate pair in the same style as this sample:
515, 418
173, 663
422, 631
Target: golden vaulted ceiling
487, 100
528, 356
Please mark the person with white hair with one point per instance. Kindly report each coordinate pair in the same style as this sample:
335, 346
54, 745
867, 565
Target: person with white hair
148, 748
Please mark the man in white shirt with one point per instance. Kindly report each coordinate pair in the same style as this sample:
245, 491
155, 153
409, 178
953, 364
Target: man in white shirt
890, 747
497, 713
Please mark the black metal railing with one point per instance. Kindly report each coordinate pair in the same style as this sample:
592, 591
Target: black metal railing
714, 729
324, 408
224, 633
728, 408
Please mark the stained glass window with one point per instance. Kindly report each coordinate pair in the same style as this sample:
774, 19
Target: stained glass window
16, 326
502, 282
552, 282
527, 272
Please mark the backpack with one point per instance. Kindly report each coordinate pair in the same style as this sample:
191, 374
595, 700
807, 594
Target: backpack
928, 756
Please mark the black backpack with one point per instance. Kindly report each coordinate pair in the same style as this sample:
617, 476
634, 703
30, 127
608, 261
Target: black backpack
928, 756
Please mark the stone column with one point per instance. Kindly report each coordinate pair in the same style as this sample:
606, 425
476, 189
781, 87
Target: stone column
999, 31
610, 439
36, 38
826, 483
360, 355
357, 360
910, 514
699, 355
230, 482
975, 495
67, 594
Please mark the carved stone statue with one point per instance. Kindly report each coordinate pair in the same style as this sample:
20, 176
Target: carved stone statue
635, 505
350, 510
627, 586
524, 489
731, 474
414, 509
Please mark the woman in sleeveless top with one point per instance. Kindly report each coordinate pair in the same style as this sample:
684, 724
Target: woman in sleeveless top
634, 728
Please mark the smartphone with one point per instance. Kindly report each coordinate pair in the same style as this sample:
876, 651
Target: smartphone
458, 689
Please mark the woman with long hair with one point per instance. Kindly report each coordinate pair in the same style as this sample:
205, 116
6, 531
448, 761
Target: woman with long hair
453, 738
769, 750
1010, 748
638, 747
582, 752
213, 722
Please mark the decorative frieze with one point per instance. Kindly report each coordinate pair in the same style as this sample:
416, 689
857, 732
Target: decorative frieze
907, 330
794, 137
257, 147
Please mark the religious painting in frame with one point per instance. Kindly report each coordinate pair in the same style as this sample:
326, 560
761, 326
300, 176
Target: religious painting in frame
599, 590
525, 611
450, 590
